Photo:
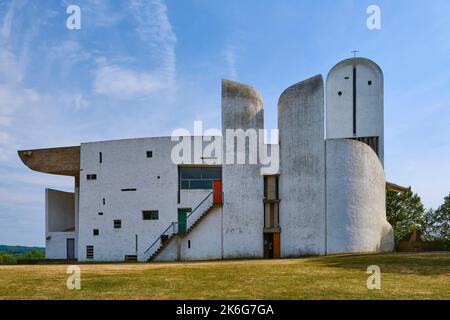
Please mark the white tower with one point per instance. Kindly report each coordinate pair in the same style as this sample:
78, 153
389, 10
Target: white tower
355, 103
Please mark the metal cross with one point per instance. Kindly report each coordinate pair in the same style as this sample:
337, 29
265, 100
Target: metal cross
354, 52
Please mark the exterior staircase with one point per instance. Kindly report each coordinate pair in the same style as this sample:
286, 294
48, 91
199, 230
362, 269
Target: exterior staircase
194, 219
162, 246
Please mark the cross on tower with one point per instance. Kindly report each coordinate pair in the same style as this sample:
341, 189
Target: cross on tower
354, 53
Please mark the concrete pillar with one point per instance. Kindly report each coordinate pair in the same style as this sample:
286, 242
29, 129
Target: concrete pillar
302, 168
243, 220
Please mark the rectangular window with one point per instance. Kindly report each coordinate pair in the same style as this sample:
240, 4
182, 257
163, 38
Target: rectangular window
100, 213
149, 154
191, 173
91, 177
150, 215
117, 224
189, 244
212, 173
100, 157
95, 232
104, 201
89, 252
128, 190
199, 178
271, 202
200, 184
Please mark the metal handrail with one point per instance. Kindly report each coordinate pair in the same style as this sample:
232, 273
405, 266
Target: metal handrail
201, 209
198, 206
203, 201
172, 225
159, 237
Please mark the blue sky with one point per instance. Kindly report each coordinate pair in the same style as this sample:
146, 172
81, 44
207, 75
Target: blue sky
144, 68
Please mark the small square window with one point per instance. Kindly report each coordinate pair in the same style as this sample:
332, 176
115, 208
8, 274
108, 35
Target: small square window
149, 154
117, 224
150, 215
369, 83
96, 232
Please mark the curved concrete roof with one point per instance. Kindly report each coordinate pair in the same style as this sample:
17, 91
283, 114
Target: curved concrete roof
63, 161
232, 89
355, 61
304, 87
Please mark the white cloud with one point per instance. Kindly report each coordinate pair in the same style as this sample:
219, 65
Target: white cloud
156, 31
5, 29
116, 80
10, 69
99, 12
12, 197
13, 100
39, 179
69, 51
119, 82
230, 58
5, 121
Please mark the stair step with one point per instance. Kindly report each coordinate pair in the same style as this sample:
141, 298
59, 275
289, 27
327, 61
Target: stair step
193, 226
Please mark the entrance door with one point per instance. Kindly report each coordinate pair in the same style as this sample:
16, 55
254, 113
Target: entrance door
271, 245
217, 189
268, 246
182, 220
276, 246
70, 249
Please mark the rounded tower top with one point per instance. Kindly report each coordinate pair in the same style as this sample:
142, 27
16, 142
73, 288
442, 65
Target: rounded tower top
355, 103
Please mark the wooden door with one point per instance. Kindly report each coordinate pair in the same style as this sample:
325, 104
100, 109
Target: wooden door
276, 246
217, 189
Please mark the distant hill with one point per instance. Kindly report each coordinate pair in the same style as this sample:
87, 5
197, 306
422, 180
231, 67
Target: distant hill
19, 250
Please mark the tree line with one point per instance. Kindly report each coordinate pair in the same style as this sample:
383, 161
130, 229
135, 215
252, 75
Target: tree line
406, 213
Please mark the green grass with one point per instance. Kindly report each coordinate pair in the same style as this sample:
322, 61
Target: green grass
404, 276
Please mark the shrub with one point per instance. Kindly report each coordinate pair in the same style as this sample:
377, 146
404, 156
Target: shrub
6, 258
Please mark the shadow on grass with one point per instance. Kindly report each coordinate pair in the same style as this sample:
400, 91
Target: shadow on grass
436, 263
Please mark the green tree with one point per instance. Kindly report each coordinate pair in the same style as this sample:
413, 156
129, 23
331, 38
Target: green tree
7, 258
438, 223
405, 212
32, 255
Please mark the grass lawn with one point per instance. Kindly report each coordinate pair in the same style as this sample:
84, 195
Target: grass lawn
404, 276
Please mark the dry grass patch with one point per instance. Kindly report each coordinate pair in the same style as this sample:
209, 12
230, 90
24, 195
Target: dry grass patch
404, 276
